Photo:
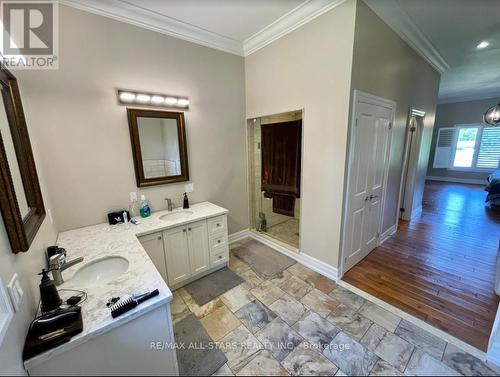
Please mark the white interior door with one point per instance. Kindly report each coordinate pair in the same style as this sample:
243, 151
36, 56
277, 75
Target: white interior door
368, 162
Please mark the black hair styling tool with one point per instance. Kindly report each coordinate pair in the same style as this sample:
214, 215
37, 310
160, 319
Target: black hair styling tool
124, 306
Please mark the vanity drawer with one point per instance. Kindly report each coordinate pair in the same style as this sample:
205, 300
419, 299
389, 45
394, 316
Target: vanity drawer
218, 243
218, 259
217, 224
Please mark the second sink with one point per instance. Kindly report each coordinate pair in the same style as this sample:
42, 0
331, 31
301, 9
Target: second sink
179, 215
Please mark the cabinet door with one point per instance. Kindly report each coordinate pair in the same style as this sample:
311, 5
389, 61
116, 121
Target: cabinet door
153, 244
198, 247
177, 254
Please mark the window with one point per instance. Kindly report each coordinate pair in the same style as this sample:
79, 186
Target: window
468, 147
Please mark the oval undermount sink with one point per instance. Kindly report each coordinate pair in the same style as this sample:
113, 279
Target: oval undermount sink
100, 271
180, 215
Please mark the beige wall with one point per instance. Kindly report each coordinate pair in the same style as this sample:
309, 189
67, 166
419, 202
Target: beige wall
450, 114
384, 65
83, 132
310, 69
26, 265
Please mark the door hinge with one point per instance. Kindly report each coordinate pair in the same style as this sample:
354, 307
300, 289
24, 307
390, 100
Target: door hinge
390, 125
345, 260
413, 129
356, 122
378, 235
401, 209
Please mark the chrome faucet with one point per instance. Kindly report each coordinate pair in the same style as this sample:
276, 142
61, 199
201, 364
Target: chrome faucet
58, 263
170, 206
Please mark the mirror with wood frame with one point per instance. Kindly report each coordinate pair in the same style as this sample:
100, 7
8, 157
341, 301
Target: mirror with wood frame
21, 201
158, 146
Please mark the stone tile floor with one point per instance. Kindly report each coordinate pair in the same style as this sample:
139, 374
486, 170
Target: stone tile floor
301, 323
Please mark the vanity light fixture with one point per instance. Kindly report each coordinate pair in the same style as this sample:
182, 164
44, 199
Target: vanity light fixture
127, 97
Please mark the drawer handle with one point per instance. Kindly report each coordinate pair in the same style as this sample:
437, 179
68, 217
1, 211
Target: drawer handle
218, 224
184, 230
159, 237
218, 241
189, 229
220, 256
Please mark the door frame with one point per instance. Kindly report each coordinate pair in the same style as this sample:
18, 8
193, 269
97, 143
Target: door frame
409, 163
360, 96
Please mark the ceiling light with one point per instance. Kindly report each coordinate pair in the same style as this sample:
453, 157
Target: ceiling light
183, 102
127, 97
492, 115
483, 44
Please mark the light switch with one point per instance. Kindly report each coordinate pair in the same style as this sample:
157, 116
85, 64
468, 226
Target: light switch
6, 313
189, 187
15, 291
133, 196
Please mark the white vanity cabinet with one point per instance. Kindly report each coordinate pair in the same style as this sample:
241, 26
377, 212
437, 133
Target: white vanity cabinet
153, 244
187, 252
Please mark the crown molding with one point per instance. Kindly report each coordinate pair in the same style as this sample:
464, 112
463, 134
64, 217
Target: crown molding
290, 21
495, 94
393, 15
144, 18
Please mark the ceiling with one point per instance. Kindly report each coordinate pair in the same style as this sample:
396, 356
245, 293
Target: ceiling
236, 26
446, 33
235, 19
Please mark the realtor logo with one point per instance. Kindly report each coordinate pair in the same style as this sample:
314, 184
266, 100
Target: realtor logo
29, 34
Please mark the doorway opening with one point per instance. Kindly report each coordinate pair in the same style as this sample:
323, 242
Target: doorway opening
275, 164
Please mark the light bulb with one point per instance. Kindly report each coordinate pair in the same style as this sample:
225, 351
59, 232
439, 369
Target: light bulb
183, 102
171, 101
157, 100
127, 97
143, 98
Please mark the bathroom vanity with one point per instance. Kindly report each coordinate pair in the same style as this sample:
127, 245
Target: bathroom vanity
186, 252
171, 248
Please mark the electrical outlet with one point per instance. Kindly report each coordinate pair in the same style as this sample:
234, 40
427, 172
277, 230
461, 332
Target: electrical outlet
189, 187
133, 196
15, 291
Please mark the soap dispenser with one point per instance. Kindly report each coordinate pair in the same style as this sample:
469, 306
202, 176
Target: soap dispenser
185, 205
49, 296
145, 209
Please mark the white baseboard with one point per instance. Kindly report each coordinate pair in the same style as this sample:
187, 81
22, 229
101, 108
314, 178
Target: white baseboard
238, 236
458, 180
389, 232
314, 264
493, 354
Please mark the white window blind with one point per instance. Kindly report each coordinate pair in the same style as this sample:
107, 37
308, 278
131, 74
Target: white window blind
444, 147
489, 149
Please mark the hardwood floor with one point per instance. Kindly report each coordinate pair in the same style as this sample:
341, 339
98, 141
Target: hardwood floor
440, 267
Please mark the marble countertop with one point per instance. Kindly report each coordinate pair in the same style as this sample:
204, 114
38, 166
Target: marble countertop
104, 240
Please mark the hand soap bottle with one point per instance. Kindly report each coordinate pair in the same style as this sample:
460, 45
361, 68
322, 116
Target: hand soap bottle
185, 205
145, 209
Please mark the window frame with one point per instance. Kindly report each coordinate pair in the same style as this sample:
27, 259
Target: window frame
477, 147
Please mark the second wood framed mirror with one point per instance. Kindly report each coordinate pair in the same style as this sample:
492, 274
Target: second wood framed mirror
21, 199
158, 146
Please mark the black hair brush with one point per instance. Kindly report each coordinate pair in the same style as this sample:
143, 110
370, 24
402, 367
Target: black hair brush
124, 306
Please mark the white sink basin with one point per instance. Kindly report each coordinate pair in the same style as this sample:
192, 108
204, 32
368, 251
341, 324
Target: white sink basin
100, 271
179, 215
